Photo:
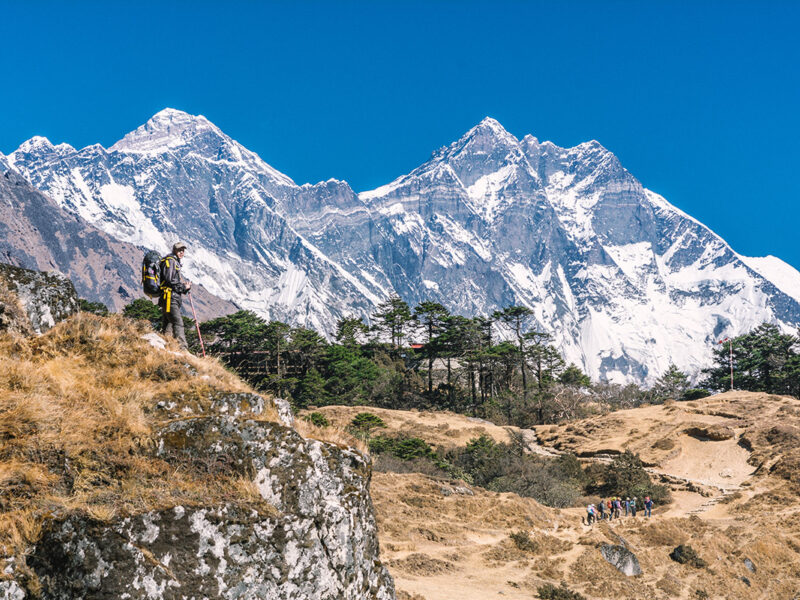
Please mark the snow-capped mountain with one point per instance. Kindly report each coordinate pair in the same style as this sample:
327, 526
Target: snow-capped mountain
626, 282
179, 177
35, 233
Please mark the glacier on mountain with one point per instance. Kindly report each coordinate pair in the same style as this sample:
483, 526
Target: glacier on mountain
625, 282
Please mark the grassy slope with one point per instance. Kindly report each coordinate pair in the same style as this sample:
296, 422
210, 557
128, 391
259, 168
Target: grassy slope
78, 415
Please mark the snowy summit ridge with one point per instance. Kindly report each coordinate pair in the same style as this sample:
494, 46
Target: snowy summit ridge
168, 128
625, 282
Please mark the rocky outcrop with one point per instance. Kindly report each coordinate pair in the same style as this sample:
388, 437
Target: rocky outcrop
713, 433
309, 534
13, 318
47, 298
622, 559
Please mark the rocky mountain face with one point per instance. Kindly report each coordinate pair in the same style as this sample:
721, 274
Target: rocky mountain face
36, 233
180, 177
624, 281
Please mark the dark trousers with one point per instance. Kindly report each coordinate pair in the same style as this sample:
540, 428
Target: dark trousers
172, 321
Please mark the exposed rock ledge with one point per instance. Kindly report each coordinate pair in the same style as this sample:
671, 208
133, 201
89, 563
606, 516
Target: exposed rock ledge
315, 538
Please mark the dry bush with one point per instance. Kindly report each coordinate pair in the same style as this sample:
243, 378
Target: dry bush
664, 533
664, 444
671, 585
507, 551
422, 564
403, 595
551, 568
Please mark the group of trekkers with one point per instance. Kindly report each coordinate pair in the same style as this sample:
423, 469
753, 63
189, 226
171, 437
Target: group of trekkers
615, 508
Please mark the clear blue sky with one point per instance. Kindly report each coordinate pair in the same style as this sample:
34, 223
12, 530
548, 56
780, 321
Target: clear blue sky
700, 100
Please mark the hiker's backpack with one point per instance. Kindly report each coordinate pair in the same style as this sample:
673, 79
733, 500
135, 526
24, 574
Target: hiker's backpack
151, 284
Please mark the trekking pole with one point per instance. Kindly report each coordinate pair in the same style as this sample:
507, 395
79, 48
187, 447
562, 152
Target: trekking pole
194, 314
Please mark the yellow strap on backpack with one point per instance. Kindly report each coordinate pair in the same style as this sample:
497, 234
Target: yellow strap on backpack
168, 295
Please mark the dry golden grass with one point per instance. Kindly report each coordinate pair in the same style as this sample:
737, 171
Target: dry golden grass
331, 434
78, 421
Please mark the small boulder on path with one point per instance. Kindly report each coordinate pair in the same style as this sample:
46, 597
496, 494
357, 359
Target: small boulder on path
622, 559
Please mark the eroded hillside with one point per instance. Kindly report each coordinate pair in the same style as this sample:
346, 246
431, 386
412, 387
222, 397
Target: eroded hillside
730, 461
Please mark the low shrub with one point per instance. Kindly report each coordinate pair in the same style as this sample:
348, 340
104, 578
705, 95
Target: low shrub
97, 308
554, 482
626, 477
366, 421
684, 554
524, 541
550, 592
695, 394
404, 448
318, 419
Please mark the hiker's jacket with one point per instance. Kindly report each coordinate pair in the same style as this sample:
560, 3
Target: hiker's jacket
171, 281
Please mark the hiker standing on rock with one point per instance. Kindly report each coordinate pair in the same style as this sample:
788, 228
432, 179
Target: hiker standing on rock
633, 507
601, 506
173, 287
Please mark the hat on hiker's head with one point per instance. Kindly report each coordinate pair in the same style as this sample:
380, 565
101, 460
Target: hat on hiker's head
178, 246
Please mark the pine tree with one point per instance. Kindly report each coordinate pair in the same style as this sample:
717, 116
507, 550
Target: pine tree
672, 385
573, 376
392, 319
431, 317
516, 317
311, 390
350, 331
764, 360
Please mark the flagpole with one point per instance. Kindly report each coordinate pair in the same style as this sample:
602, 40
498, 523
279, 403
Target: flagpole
730, 359
730, 355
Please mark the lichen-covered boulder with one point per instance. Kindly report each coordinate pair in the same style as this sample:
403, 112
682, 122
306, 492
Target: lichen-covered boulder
13, 318
184, 553
47, 298
622, 559
10, 590
313, 538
